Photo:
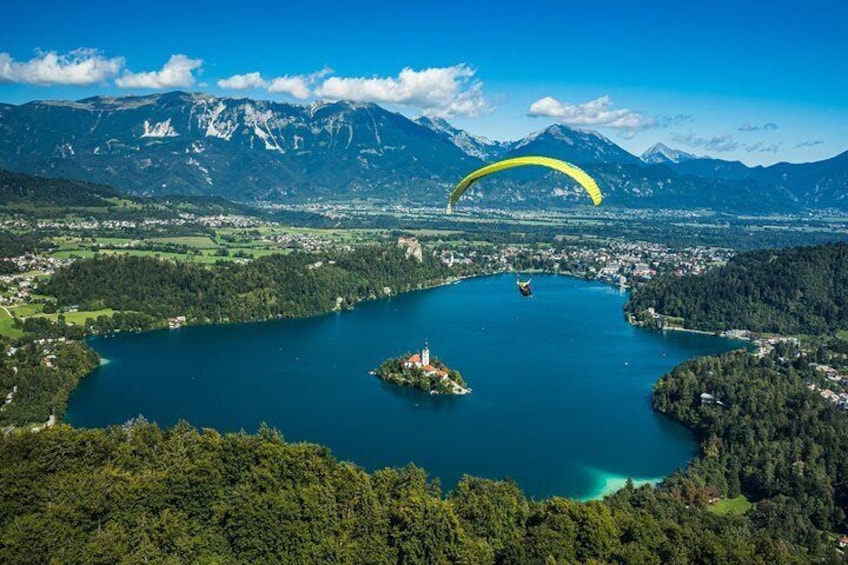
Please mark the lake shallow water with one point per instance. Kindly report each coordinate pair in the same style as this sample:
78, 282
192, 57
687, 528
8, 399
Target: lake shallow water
561, 382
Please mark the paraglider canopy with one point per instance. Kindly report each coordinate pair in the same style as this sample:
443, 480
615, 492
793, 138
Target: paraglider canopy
578, 174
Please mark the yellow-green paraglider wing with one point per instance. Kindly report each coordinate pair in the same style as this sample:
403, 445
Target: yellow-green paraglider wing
574, 172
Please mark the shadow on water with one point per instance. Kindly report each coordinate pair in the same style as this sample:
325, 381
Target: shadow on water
418, 399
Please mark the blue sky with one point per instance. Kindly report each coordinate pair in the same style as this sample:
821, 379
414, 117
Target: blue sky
758, 82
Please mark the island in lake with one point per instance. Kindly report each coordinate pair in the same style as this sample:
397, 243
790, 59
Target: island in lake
421, 371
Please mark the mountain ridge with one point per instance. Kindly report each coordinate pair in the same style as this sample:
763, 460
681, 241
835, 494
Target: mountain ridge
662, 153
261, 150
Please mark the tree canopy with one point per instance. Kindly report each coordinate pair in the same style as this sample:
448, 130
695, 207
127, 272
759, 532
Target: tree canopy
787, 291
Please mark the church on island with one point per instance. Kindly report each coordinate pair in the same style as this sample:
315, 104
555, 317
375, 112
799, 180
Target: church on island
422, 361
421, 371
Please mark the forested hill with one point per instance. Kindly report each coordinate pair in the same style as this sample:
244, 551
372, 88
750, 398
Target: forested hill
766, 434
57, 197
138, 494
788, 291
299, 284
18, 189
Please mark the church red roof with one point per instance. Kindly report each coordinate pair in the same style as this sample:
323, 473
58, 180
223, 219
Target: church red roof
432, 369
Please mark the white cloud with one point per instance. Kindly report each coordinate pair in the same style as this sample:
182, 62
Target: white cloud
80, 67
177, 73
598, 112
243, 82
297, 86
439, 91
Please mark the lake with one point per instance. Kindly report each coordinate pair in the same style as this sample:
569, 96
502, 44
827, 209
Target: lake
561, 398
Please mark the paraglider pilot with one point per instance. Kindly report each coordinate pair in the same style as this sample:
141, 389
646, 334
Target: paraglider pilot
524, 287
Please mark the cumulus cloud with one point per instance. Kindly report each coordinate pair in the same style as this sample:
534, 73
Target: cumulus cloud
598, 112
768, 126
80, 67
178, 72
319, 75
445, 91
720, 143
243, 82
438, 91
809, 143
297, 86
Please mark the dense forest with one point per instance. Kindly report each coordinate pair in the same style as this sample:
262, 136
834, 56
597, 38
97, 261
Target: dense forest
31, 192
139, 494
292, 285
34, 196
13, 244
789, 291
766, 434
40, 376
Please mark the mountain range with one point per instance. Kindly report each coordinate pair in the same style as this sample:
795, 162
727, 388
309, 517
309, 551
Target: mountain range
255, 150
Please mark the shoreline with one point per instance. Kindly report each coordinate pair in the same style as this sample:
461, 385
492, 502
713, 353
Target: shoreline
745, 335
689, 330
335, 310
406, 373
607, 483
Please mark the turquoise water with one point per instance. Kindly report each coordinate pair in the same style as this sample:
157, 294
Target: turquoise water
561, 399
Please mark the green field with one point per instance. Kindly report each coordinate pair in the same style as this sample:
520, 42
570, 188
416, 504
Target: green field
26, 310
124, 203
326, 233
68, 253
196, 241
6, 327
433, 232
730, 506
78, 318
203, 248
206, 256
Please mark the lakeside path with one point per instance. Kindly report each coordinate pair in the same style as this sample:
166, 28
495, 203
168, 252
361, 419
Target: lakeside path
689, 330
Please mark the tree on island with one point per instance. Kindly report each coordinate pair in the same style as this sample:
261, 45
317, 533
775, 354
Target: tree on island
422, 372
